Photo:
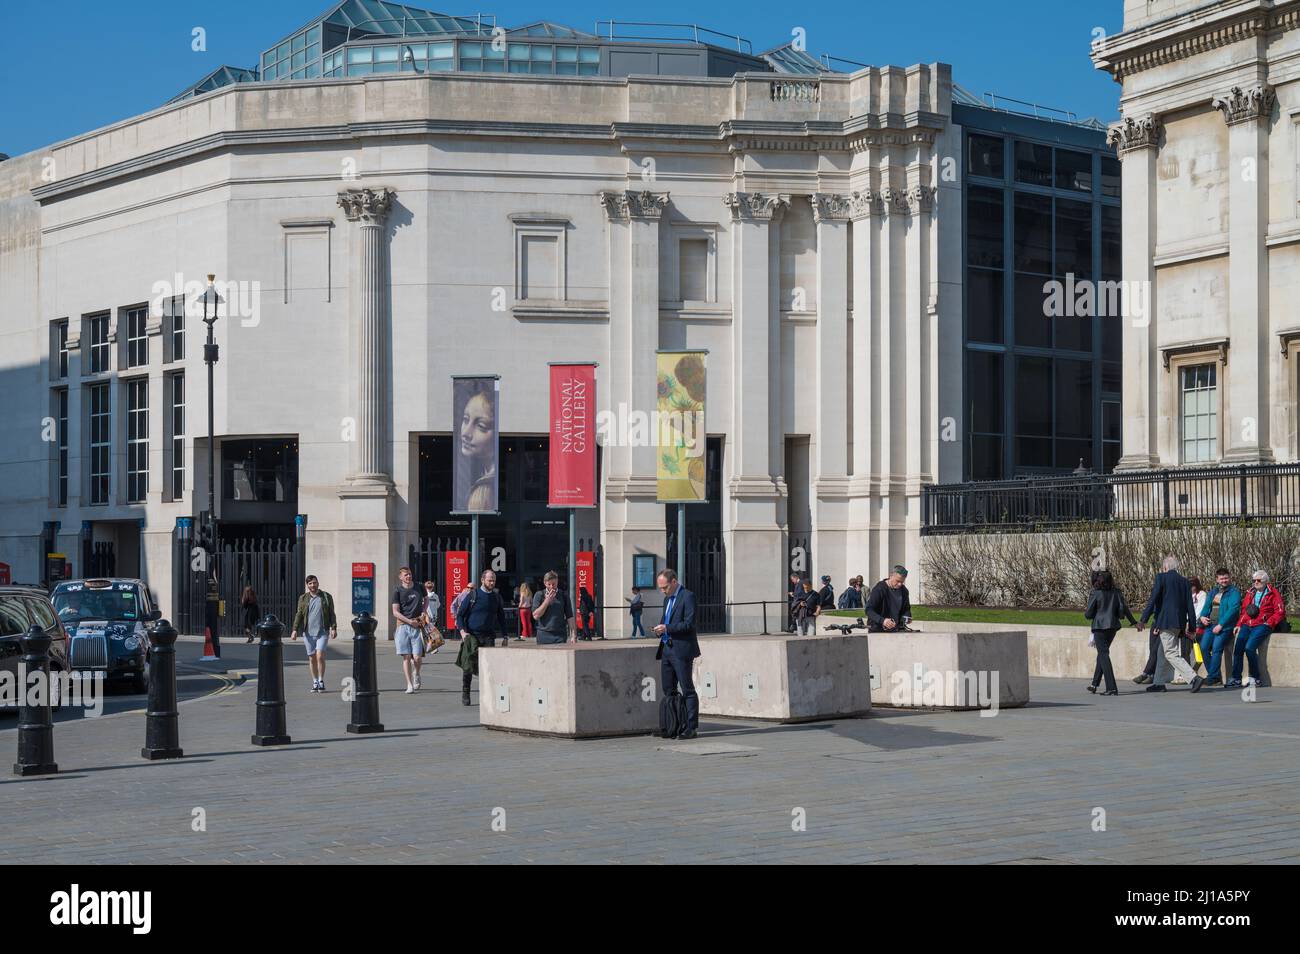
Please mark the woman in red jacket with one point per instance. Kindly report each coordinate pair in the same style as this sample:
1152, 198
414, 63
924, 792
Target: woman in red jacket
1262, 610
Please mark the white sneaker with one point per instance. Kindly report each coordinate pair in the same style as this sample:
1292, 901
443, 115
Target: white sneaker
410, 689
418, 684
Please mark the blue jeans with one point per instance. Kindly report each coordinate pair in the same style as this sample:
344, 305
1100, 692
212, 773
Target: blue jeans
1212, 650
1249, 640
637, 627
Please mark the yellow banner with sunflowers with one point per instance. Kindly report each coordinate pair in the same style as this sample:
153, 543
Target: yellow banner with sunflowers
681, 441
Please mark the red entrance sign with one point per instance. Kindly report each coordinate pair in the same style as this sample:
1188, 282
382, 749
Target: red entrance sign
4, 573
585, 571
363, 571
457, 566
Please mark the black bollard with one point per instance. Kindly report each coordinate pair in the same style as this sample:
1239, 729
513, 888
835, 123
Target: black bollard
35, 723
365, 704
161, 726
270, 684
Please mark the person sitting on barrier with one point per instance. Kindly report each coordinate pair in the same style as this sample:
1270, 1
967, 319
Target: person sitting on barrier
806, 603
851, 598
1107, 610
408, 606
1171, 606
889, 605
1218, 620
679, 645
1262, 612
482, 618
552, 612
314, 618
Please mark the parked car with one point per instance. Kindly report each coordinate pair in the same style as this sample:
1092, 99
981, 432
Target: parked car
105, 620
20, 608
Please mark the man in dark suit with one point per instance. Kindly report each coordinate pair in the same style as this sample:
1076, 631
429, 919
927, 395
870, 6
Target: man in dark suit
1174, 614
678, 647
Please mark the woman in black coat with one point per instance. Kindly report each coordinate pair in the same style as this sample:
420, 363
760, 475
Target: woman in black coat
1107, 610
248, 603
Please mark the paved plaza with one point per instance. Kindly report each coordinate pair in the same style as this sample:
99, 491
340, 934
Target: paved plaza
1182, 778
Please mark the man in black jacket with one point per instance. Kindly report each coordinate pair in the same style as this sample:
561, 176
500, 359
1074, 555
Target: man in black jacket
678, 646
889, 605
1171, 605
480, 619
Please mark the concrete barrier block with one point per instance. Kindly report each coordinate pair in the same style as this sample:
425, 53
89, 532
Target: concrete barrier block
575, 690
953, 670
782, 677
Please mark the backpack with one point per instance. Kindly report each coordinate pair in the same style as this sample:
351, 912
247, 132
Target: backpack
464, 602
672, 715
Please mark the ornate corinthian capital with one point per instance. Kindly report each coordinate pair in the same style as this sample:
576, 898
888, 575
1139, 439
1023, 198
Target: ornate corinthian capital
863, 204
1245, 105
755, 205
829, 207
1132, 134
368, 206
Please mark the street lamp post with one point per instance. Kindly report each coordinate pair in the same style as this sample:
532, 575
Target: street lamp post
212, 601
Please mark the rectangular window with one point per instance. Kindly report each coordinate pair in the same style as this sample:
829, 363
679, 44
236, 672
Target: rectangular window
1112, 243
984, 227
1033, 326
99, 352
1034, 164
1200, 413
984, 305
59, 349
1110, 177
1074, 170
176, 330
1073, 238
137, 338
100, 443
985, 157
137, 439
1033, 233
176, 434
984, 415
693, 269
61, 413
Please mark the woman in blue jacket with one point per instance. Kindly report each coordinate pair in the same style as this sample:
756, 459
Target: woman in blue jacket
1222, 607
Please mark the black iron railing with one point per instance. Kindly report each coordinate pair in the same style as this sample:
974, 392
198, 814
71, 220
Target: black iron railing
1268, 493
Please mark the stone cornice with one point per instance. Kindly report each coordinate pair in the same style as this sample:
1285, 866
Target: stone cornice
829, 207
368, 206
1131, 134
1246, 105
1189, 34
758, 206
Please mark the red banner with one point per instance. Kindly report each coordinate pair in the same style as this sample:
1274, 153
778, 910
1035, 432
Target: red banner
457, 565
573, 435
585, 571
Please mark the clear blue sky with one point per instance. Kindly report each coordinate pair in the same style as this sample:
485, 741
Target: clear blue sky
103, 61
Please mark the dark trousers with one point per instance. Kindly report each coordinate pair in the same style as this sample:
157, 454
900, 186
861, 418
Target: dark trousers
485, 641
1103, 639
675, 668
1155, 651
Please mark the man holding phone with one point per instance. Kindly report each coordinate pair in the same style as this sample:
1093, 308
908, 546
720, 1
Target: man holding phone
553, 612
889, 607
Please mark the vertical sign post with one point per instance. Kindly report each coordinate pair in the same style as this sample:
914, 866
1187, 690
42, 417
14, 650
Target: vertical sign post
456, 564
363, 588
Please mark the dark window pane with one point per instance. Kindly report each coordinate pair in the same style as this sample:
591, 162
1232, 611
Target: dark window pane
1033, 452
1073, 333
1074, 170
983, 305
984, 392
1070, 454
1110, 180
1033, 327
1034, 397
984, 227
1033, 233
1112, 376
1111, 454
986, 458
1073, 238
1033, 163
1073, 399
1112, 243
985, 157
1111, 421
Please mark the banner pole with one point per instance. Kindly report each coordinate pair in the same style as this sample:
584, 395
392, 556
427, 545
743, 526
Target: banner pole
573, 561
473, 550
681, 543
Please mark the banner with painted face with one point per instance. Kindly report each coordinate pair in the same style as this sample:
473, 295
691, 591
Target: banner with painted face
475, 443
680, 435
572, 462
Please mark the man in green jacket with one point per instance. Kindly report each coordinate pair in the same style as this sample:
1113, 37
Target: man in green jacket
314, 618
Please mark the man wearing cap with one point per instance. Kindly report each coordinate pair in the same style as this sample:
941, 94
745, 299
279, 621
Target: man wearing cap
889, 605
825, 596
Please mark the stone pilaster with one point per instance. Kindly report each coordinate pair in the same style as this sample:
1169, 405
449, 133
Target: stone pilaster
1137, 140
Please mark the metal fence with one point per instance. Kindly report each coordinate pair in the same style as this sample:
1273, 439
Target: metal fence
1268, 493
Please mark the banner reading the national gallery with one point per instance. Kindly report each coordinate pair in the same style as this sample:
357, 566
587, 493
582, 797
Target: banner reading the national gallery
476, 404
572, 462
680, 427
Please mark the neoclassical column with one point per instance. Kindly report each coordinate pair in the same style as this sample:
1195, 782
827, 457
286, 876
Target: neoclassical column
369, 209
1137, 140
1246, 408
831, 466
864, 370
633, 519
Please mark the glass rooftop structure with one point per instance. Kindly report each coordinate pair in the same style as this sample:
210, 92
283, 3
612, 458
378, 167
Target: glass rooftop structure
363, 37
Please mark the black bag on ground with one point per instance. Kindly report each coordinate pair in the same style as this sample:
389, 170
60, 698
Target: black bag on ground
672, 715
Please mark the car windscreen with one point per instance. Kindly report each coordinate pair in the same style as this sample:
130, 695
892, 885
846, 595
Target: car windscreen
74, 605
